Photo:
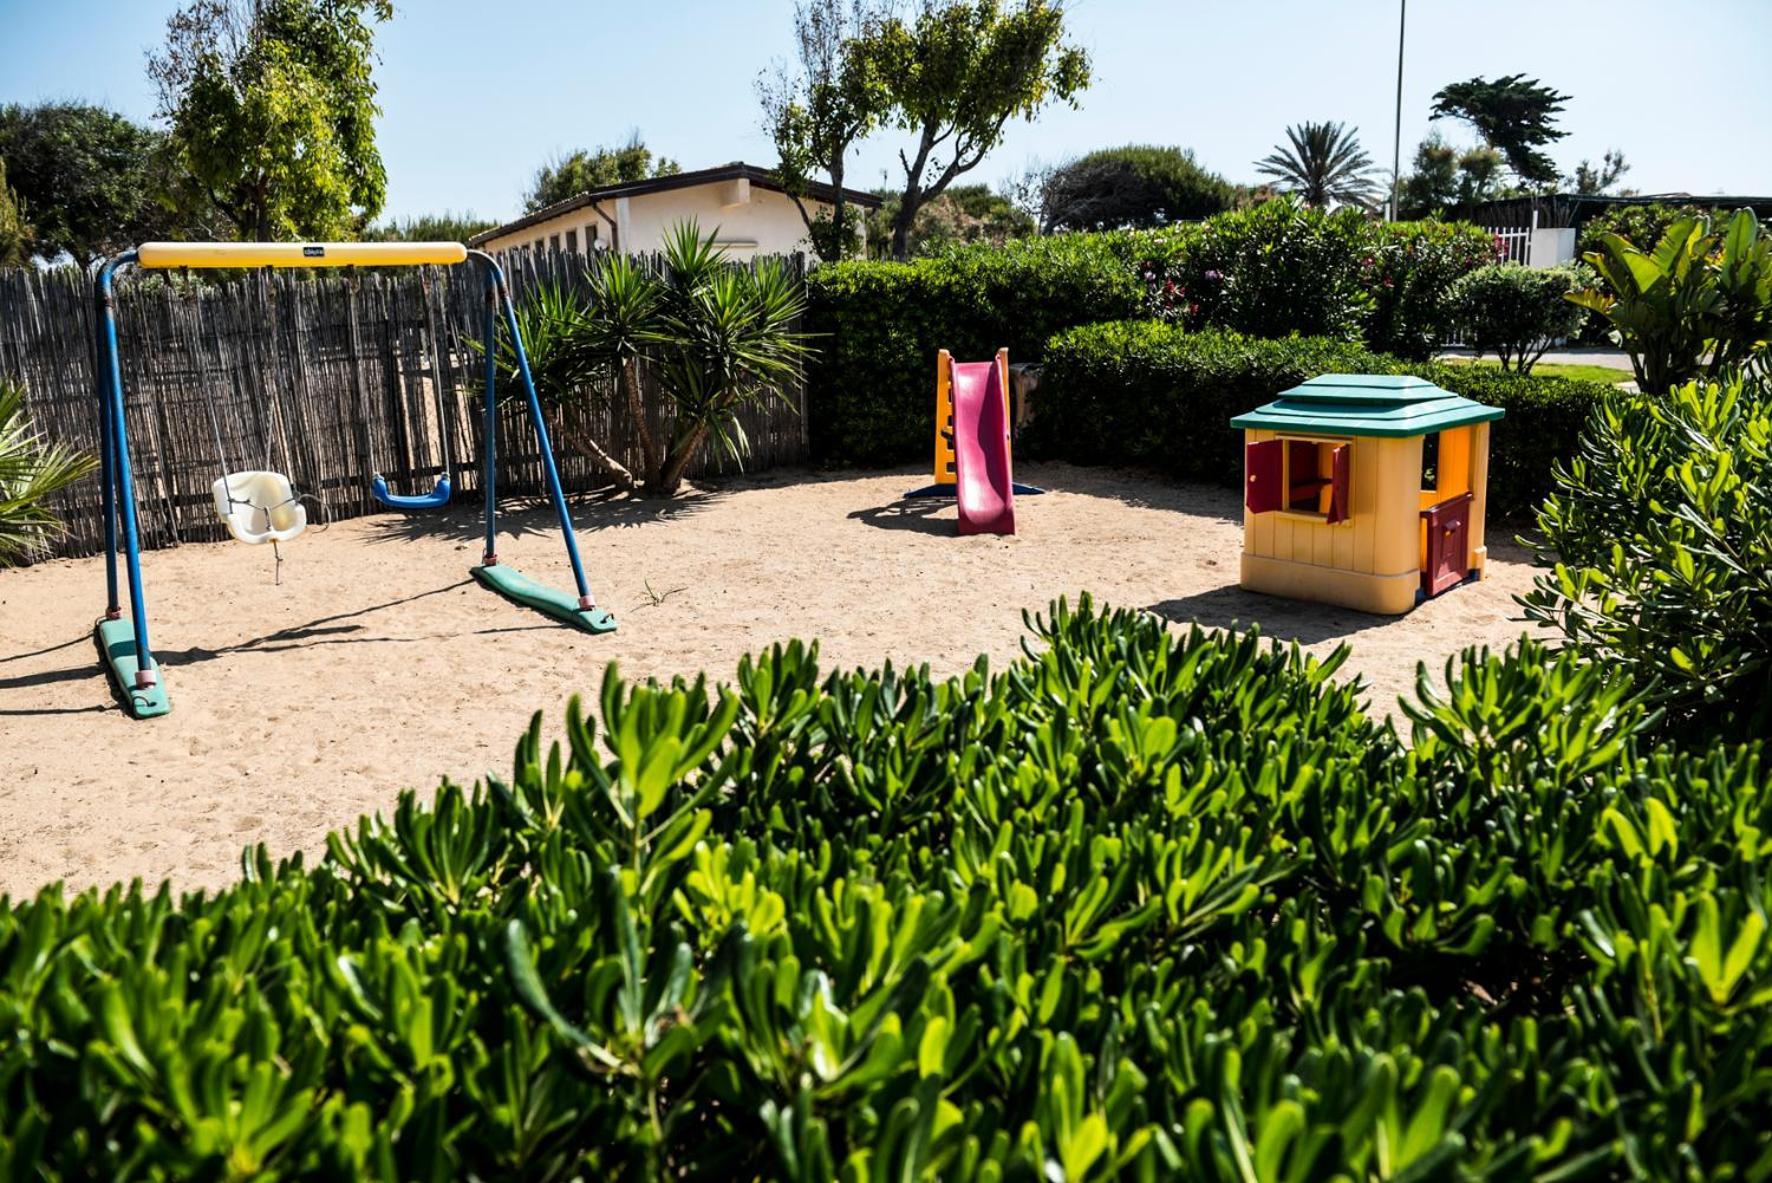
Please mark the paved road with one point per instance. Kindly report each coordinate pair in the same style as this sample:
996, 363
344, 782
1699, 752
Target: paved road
1614, 359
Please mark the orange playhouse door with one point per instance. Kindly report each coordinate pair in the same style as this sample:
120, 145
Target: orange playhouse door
1448, 544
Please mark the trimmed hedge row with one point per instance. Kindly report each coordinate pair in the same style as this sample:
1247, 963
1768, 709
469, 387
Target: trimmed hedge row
1150, 394
880, 325
1144, 905
1278, 268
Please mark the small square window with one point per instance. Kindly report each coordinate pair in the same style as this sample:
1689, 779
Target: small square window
1299, 476
554, 243
572, 242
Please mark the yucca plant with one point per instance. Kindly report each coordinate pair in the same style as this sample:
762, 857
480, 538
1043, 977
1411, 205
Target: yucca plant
554, 319
726, 339
31, 471
714, 335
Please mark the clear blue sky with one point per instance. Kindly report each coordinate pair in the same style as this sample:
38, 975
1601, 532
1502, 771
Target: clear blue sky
476, 94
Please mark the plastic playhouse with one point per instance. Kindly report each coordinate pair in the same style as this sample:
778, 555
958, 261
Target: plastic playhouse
1364, 490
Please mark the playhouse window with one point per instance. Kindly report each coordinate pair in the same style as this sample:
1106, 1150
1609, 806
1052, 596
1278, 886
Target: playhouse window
1299, 476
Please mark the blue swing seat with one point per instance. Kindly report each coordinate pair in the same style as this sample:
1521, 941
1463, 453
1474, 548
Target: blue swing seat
438, 496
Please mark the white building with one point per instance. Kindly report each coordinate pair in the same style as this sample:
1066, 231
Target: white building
745, 207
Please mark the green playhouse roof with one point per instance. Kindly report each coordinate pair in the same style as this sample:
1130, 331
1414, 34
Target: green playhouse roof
1391, 405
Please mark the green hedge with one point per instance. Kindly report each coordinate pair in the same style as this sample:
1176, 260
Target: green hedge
1150, 394
880, 325
1278, 268
1143, 905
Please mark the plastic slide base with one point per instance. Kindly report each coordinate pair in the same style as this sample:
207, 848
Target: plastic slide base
116, 648
438, 496
948, 491
517, 587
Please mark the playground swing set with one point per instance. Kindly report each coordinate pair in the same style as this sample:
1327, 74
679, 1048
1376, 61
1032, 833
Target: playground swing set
262, 505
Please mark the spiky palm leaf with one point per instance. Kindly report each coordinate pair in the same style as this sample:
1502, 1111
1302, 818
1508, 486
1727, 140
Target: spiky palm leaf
1324, 165
31, 470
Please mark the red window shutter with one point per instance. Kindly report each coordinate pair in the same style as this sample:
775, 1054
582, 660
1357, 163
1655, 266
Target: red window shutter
1341, 465
1264, 487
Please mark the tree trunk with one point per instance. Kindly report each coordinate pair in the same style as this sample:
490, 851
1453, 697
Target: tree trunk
670, 478
586, 445
628, 375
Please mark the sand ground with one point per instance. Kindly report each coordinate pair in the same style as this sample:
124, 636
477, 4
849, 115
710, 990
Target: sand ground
378, 665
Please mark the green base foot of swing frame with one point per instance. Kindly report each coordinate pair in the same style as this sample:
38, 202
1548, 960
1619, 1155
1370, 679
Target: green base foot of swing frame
116, 648
517, 587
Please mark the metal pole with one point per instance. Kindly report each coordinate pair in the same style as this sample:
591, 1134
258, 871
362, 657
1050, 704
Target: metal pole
1397, 138
101, 375
585, 599
146, 671
489, 478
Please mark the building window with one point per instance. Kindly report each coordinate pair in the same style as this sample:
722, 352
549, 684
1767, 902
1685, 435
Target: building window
554, 243
572, 242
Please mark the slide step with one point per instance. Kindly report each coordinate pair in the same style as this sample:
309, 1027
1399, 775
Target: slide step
116, 648
517, 587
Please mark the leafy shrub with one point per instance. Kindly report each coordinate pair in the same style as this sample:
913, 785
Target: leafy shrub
32, 471
1516, 312
1148, 393
1142, 905
1415, 265
1634, 223
1699, 302
1139, 185
1660, 532
1276, 268
880, 325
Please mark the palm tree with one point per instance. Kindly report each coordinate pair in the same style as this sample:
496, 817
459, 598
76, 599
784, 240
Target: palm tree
31, 469
1325, 165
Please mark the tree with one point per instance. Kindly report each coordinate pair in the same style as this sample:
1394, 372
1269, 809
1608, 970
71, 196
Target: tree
447, 226
1514, 115
271, 105
1451, 180
712, 336
89, 176
1134, 186
965, 213
31, 470
817, 109
1324, 165
572, 174
15, 231
956, 73
1588, 179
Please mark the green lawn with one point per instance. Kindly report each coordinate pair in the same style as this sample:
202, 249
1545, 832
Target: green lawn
1555, 370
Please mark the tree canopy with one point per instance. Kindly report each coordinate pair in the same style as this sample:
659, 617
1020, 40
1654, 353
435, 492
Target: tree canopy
89, 177
816, 109
271, 106
15, 232
1451, 179
572, 174
1138, 185
956, 72
1590, 179
1324, 164
1514, 114
447, 226
962, 214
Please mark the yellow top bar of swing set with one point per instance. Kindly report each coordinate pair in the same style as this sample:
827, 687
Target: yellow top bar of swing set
297, 254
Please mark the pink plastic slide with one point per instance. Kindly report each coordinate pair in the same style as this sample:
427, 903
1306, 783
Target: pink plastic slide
981, 450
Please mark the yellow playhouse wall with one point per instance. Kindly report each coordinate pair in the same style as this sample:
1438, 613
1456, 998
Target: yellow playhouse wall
1368, 562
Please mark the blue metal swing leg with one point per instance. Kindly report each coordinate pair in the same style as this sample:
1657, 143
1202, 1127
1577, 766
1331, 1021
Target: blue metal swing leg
583, 613
123, 645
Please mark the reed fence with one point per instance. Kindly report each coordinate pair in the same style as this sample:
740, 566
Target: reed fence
328, 377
